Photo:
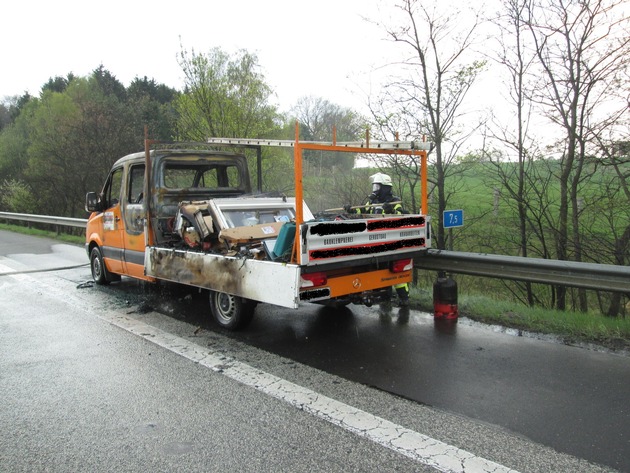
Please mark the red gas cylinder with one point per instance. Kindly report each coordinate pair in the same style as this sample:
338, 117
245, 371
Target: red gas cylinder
445, 298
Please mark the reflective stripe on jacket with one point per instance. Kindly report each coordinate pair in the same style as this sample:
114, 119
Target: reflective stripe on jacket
377, 208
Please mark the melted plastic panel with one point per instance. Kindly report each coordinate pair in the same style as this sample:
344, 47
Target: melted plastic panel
335, 241
263, 281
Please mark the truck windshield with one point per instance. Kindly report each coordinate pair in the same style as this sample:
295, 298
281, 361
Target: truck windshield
201, 175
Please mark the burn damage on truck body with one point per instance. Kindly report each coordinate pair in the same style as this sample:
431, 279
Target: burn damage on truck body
253, 279
191, 175
227, 245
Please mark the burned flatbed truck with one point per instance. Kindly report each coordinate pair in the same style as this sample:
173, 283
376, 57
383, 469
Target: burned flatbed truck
181, 213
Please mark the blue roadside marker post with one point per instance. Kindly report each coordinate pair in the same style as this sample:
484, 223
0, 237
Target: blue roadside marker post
450, 220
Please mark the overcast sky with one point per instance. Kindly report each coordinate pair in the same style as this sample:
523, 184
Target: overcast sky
323, 48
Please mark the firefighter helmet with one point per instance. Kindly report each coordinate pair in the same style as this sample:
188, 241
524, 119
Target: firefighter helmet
380, 178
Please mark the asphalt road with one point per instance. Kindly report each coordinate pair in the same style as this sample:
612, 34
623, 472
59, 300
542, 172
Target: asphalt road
572, 399
85, 389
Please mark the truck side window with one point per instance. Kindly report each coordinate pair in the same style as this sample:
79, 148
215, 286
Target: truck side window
114, 186
136, 184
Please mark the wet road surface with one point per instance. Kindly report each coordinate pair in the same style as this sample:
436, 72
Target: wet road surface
571, 398
576, 401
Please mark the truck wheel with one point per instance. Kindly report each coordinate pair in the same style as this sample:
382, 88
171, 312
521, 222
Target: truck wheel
97, 265
231, 312
99, 271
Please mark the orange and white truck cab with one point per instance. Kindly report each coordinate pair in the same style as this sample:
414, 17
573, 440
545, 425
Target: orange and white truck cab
189, 216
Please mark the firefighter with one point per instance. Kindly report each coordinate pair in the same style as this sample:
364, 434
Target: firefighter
382, 201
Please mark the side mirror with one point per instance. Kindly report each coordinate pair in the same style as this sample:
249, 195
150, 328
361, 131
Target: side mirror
92, 203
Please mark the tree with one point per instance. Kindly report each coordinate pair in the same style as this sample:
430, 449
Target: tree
612, 211
17, 196
11, 107
224, 97
440, 73
14, 138
582, 50
58, 84
154, 107
514, 135
63, 143
73, 139
317, 117
5, 116
108, 83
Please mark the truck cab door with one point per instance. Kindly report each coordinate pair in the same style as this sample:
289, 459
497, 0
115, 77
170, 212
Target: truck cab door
112, 223
133, 213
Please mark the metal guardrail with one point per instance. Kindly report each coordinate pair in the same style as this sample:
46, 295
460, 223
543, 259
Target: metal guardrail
65, 221
601, 277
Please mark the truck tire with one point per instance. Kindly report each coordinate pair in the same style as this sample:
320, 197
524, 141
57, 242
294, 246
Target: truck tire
99, 271
231, 312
